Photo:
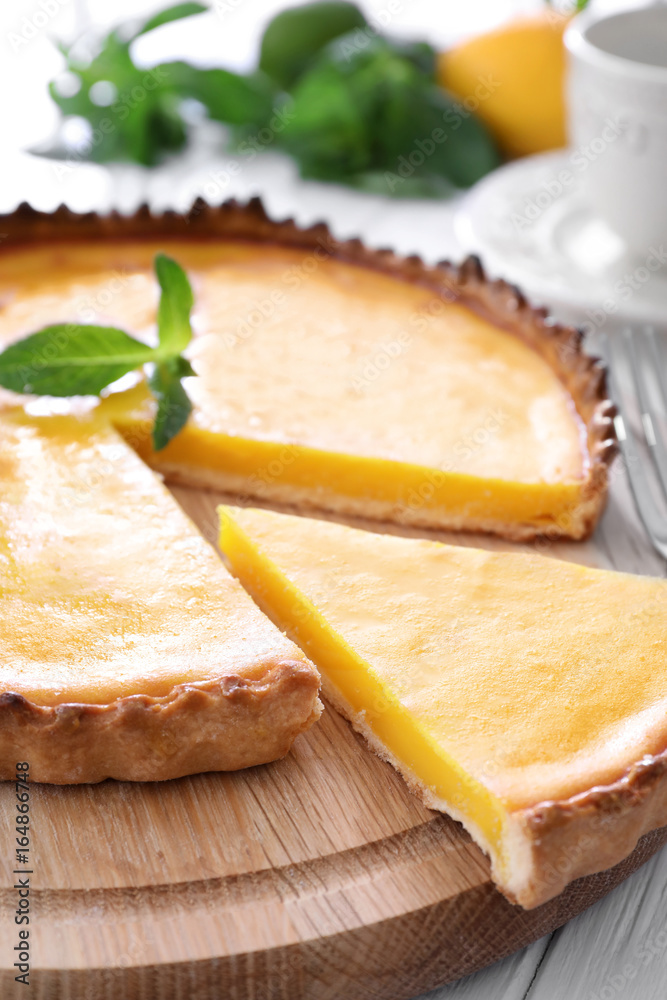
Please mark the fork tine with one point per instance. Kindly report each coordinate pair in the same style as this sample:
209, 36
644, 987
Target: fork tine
651, 427
660, 362
615, 351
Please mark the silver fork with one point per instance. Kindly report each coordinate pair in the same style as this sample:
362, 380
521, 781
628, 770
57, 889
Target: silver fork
635, 351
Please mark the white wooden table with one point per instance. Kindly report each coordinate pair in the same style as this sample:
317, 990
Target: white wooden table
618, 949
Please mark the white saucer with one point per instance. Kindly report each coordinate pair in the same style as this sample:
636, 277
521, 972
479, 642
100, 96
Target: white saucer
538, 232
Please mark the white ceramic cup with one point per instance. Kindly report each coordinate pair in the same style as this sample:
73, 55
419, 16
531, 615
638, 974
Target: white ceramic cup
617, 102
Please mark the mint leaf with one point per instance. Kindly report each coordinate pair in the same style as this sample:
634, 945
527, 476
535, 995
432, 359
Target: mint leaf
142, 123
347, 102
176, 301
228, 97
361, 112
174, 406
68, 359
296, 35
174, 13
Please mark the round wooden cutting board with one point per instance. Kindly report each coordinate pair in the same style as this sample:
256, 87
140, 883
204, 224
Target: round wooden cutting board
318, 877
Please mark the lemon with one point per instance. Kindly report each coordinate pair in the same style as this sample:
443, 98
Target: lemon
513, 79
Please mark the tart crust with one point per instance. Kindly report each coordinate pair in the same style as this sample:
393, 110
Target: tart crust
544, 828
497, 301
110, 669
555, 842
220, 725
594, 830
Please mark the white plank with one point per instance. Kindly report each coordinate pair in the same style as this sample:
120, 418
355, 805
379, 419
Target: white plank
617, 950
507, 980
620, 538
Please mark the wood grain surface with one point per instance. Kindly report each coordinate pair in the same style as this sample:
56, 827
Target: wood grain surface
319, 876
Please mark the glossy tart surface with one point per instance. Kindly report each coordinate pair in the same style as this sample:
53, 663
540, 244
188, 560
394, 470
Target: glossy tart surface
108, 589
323, 383
128, 650
496, 682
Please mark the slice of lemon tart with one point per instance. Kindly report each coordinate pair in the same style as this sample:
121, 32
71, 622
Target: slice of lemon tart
334, 377
128, 650
525, 696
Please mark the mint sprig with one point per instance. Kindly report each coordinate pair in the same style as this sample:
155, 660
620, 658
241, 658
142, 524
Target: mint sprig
173, 404
347, 102
71, 359
176, 301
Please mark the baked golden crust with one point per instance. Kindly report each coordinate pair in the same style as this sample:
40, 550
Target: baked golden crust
223, 724
128, 649
560, 841
594, 830
583, 376
561, 346
577, 521
554, 782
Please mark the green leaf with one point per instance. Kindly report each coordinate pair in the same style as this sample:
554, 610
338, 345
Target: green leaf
68, 359
174, 13
361, 112
362, 109
176, 301
425, 131
330, 130
173, 403
296, 35
143, 122
422, 55
228, 97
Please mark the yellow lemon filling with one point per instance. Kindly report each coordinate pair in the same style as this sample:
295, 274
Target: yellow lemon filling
399, 732
493, 681
108, 590
326, 384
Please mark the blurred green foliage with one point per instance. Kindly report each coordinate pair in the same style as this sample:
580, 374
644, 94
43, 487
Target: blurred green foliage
349, 104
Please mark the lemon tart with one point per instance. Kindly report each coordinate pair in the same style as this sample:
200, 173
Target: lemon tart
333, 377
128, 650
525, 696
